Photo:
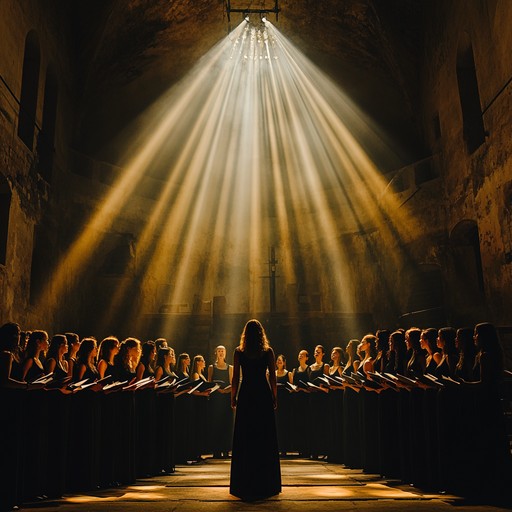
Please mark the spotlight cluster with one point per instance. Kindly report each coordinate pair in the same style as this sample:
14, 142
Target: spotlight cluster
255, 43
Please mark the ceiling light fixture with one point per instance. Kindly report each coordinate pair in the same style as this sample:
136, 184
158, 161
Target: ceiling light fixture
245, 12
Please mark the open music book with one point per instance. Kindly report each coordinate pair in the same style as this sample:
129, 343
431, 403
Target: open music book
44, 379
449, 380
166, 382
114, 386
318, 388
139, 384
204, 386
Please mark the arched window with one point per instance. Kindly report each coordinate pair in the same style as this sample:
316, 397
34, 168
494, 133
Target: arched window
29, 90
45, 142
5, 207
473, 125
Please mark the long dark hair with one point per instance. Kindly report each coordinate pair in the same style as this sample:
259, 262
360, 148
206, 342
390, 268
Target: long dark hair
284, 360
430, 336
57, 341
253, 340
489, 341
160, 357
34, 337
195, 361
106, 346
372, 341
399, 351
147, 348
467, 353
351, 351
382, 340
414, 334
82, 356
122, 360
182, 357
448, 335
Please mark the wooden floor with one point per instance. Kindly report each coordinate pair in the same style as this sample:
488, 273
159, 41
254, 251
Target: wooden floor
311, 486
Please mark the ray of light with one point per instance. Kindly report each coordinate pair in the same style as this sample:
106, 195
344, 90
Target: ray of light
256, 148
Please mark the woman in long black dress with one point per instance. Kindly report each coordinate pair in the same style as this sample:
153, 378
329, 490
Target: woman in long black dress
417, 363
352, 358
283, 418
85, 422
11, 427
183, 366
319, 434
428, 342
109, 414
73, 348
55, 361
336, 408
165, 427
32, 367
145, 413
146, 365
448, 408
221, 414
380, 361
85, 366
467, 353
300, 406
449, 355
109, 348
163, 363
489, 470
255, 468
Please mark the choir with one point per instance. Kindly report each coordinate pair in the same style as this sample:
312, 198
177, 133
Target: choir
421, 406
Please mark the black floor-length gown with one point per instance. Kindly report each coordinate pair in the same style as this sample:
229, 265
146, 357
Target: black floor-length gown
255, 468
283, 414
220, 415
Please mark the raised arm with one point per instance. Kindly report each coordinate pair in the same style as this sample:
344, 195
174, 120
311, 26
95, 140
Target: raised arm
236, 378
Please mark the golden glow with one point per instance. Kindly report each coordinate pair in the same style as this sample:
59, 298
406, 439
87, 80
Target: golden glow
255, 148
148, 493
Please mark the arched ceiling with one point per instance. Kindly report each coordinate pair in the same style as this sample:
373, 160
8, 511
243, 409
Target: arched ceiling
130, 51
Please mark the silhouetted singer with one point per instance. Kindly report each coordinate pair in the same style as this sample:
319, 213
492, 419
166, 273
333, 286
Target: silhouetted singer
255, 468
